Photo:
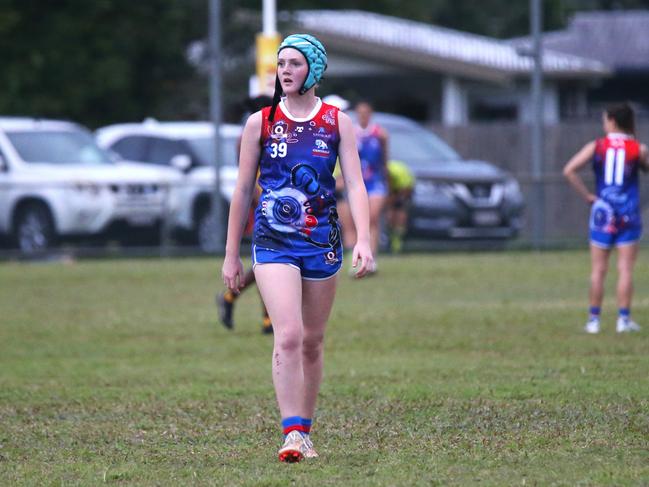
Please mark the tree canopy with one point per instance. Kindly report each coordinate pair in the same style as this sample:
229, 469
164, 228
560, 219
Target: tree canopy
106, 61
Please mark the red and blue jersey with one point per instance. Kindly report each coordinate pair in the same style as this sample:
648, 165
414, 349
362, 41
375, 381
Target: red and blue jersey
297, 207
370, 151
616, 163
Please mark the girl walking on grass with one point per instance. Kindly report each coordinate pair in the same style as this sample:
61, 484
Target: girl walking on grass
296, 249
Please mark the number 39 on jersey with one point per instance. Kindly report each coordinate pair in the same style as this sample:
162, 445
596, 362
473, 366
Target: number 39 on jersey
278, 149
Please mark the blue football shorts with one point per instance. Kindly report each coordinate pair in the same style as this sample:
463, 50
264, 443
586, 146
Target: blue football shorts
314, 264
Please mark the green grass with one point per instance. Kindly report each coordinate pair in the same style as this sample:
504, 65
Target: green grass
447, 369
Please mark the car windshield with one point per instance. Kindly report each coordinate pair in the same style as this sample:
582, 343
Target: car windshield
418, 147
204, 149
58, 147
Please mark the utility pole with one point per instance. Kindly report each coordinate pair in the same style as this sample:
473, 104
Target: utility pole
536, 95
267, 42
269, 21
215, 55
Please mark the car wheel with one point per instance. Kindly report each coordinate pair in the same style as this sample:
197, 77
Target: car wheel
34, 229
206, 231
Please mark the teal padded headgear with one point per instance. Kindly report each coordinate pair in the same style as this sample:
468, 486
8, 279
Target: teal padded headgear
315, 54
316, 57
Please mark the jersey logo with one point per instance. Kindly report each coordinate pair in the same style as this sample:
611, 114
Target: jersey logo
321, 148
279, 131
331, 258
323, 134
329, 116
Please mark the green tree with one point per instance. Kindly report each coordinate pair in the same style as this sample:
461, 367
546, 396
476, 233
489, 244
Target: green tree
95, 61
104, 61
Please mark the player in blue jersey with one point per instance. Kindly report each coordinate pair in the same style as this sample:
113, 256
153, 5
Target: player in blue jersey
296, 249
372, 142
615, 209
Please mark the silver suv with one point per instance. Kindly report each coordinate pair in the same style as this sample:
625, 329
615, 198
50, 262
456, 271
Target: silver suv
188, 147
56, 182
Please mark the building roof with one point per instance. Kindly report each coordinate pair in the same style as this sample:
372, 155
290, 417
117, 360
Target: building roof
616, 38
431, 48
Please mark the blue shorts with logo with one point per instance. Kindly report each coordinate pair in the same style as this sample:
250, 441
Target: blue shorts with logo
608, 229
315, 264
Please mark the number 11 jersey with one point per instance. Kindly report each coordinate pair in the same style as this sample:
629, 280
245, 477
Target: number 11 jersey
616, 163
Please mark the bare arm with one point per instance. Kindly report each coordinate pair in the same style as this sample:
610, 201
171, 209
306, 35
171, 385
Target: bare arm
644, 158
240, 204
578, 161
350, 166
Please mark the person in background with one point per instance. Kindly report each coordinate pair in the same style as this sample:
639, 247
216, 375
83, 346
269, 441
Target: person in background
402, 183
615, 218
225, 301
372, 141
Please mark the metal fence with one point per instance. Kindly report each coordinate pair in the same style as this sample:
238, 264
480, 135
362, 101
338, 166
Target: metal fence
507, 145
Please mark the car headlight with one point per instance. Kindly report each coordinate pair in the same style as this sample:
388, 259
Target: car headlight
427, 189
512, 189
92, 189
430, 193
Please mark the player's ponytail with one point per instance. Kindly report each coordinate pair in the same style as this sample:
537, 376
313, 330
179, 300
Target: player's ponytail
277, 97
623, 115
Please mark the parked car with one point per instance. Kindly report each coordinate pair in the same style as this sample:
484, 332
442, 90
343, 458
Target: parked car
453, 198
189, 148
56, 182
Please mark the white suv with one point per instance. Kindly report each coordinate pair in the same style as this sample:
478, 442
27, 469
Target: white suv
189, 148
56, 182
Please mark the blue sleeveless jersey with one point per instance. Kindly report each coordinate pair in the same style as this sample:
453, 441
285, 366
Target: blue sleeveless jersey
370, 151
297, 207
616, 164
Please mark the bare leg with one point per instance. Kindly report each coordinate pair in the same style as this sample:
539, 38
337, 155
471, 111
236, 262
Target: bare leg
347, 224
391, 215
225, 301
376, 208
317, 300
599, 266
626, 256
401, 219
264, 311
248, 279
284, 304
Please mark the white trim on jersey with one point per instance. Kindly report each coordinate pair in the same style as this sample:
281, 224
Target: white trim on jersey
313, 113
619, 135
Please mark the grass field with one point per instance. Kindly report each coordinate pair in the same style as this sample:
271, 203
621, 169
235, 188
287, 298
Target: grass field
445, 369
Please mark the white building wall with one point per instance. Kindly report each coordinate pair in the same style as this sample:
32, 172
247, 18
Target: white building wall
455, 106
550, 105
